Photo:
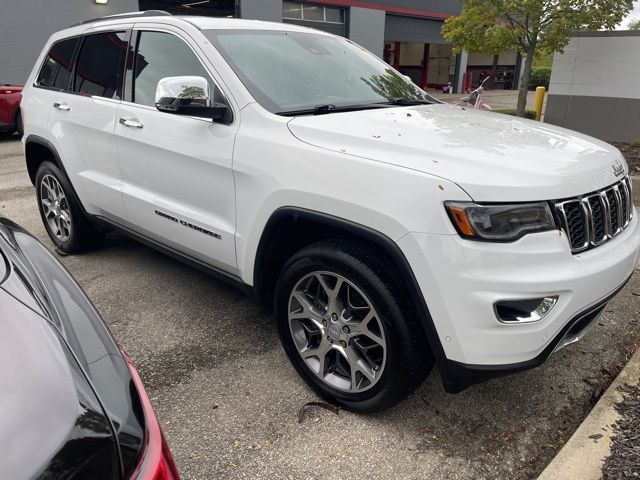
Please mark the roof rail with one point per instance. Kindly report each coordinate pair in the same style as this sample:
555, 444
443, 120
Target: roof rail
146, 13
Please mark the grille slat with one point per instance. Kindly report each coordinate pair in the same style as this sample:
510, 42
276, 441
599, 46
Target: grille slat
626, 204
613, 205
597, 216
591, 220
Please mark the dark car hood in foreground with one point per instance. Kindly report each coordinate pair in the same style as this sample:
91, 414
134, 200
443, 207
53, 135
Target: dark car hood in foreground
67, 404
44, 402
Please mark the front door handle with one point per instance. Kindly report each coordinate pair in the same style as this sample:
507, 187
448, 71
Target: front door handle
130, 122
61, 106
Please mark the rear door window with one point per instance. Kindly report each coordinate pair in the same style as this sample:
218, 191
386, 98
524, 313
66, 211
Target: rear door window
100, 65
57, 67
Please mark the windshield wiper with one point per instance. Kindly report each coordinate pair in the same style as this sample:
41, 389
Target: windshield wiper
405, 102
330, 108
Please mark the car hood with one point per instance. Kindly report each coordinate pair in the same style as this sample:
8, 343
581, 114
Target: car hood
493, 157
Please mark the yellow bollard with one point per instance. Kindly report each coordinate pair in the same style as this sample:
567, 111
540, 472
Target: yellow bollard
538, 101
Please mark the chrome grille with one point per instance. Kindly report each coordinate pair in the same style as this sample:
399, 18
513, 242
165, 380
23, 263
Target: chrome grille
593, 219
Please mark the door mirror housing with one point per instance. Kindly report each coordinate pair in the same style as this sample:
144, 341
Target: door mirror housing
189, 96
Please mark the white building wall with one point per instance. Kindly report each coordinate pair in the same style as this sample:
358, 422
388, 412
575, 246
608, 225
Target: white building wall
595, 86
598, 67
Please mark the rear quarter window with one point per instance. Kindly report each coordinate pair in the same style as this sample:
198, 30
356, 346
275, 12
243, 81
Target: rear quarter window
57, 66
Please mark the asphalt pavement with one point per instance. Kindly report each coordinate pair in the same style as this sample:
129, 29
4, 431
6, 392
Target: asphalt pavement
228, 399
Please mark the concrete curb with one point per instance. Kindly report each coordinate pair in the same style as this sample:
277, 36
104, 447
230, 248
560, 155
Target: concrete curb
582, 457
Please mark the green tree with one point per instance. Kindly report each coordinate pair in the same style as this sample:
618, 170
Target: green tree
528, 26
542, 59
634, 24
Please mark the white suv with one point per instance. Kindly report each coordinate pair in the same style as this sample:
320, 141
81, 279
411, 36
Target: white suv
388, 231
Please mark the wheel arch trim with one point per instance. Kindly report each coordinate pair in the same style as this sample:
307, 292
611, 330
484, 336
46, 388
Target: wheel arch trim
38, 140
366, 233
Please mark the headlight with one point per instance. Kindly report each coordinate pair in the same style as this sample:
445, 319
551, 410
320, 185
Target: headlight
499, 223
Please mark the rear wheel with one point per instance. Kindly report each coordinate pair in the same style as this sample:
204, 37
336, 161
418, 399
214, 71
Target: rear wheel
347, 328
61, 214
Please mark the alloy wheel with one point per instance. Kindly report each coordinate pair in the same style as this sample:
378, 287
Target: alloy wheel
55, 207
337, 331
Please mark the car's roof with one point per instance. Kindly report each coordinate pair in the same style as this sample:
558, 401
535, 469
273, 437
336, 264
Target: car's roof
197, 22
214, 23
204, 23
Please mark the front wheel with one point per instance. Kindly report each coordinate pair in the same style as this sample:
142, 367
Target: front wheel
347, 329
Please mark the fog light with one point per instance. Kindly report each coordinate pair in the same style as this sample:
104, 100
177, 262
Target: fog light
524, 311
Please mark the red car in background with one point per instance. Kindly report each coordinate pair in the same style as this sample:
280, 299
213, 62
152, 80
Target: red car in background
10, 118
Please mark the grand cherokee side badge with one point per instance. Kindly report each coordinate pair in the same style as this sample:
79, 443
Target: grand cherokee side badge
618, 170
184, 223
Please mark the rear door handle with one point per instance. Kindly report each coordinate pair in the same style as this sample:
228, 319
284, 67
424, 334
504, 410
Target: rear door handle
61, 106
130, 122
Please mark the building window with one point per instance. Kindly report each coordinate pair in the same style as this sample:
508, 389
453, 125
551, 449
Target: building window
292, 11
333, 15
312, 13
211, 8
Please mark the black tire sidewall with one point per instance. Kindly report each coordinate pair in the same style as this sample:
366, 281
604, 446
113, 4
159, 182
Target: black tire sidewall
19, 125
395, 383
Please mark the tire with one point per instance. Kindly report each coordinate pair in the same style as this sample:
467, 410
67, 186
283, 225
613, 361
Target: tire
62, 216
19, 125
393, 339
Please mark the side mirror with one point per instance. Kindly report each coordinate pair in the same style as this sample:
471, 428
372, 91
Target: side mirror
189, 96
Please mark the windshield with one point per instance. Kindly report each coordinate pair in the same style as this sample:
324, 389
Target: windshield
291, 72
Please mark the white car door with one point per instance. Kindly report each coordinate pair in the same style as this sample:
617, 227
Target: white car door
178, 184
83, 116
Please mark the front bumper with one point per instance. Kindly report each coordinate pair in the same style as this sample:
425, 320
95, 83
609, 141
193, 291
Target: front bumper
461, 280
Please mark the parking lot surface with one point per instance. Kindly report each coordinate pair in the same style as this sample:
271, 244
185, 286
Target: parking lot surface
228, 399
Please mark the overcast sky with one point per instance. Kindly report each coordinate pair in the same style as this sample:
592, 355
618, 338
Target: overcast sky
633, 16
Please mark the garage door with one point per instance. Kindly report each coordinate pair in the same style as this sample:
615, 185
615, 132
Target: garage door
329, 19
211, 8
